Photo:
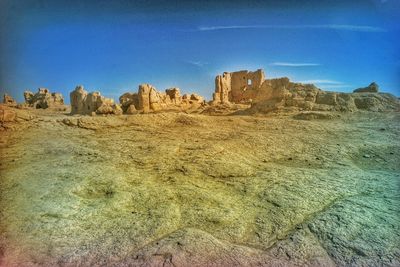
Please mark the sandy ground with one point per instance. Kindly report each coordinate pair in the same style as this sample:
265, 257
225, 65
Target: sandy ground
193, 190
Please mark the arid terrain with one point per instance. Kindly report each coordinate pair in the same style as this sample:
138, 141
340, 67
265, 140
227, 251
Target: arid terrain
176, 189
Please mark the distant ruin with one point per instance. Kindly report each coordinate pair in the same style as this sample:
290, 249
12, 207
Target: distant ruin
149, 99
43, 99
146, 99
265, 95
246, 92
238, 87
372, 88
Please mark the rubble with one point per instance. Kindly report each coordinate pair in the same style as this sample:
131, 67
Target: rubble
10, 114
131, 110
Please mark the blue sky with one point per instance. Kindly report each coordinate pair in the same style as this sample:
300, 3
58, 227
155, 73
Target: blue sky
113, 46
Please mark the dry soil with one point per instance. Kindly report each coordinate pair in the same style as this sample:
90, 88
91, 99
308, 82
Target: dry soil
174, 189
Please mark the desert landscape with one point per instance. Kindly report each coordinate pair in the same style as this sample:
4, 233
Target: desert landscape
267, 173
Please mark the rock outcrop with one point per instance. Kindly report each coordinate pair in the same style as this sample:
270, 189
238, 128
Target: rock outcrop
149, 99
8, 100
372, 88
86, 103
44, 99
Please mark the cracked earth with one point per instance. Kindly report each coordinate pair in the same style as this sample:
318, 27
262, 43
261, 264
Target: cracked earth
193, 190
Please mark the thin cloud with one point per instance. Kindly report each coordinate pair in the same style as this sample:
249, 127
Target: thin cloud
325, 82
344, 27
290, 64
196, 63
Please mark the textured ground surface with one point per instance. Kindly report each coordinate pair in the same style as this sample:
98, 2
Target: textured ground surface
194, 190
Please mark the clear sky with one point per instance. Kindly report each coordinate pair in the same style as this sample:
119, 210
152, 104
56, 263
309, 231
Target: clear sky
113, 46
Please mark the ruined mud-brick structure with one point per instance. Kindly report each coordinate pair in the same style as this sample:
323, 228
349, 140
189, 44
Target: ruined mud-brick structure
44, 99
241, 87
149, 99
83, 102
146, 99
238, 87
246, 87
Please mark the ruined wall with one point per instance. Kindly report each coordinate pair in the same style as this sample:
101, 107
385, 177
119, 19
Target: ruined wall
83, 102
175, 95
238, 87
129, 102
43, 99
78, 98
149, 99
222, 88
282, 93
245, 85
267, 95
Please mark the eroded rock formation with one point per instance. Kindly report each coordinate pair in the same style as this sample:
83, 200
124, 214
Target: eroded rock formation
83, 102
44, 99
149, 99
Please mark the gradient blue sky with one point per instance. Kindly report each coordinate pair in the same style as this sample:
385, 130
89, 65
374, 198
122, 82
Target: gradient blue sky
113, 46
